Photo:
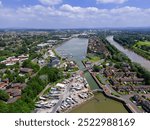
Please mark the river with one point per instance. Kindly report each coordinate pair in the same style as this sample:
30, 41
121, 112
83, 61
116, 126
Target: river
131, 55
76, 49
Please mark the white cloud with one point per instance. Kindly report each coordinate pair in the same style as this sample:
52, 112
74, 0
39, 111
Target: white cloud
112, 1
67, 16
50, 2
1, 4
78, 9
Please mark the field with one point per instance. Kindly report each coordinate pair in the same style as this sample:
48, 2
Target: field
93, 58
146, 43
142, 48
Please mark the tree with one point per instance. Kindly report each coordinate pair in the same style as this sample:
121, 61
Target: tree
19, 106
2, 66
3, 107
96, 68
30, 64
3, 95
20, 79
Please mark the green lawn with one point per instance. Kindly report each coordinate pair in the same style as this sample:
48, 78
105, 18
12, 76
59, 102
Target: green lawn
142, 48
93, 58
101, 79
146, 43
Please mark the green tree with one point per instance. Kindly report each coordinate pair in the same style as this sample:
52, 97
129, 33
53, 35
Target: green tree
2, 66
3, 107
3, 95
96, 68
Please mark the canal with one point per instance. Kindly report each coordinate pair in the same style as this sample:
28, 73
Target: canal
131, 55
76, 49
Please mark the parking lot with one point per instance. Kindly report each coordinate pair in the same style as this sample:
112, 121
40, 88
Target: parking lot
65, 96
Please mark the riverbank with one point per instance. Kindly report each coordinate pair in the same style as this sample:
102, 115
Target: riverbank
136, 44
107, 92
130, 54
78, 105
78, 48
100, 104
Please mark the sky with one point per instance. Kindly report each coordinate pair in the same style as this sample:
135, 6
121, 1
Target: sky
57, 14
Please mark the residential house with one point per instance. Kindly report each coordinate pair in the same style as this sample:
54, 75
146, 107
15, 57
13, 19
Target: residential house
146, 105
133, 80
14, 92
114, 82
20, 86
26, 71
142, 87
3, 85
137, 98
54, 62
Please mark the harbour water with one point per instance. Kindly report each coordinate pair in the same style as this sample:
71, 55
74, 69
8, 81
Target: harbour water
76, 49
100, 104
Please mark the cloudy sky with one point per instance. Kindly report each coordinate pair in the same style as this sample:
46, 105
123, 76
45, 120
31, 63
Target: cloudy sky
74, 13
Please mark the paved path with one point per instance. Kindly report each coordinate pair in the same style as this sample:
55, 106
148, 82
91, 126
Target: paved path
126, 98
62, 97
41, 93
108, 90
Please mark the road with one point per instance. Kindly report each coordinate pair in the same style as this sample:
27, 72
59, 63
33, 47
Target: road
109, 90
62, 97
126, 98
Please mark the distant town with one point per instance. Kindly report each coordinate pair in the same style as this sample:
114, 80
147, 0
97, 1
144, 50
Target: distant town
56, 71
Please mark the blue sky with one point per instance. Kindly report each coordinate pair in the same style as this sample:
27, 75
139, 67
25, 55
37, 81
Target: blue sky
74, 13
81, 3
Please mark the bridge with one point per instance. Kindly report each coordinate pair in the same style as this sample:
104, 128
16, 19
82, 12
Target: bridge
90, 67
86, 68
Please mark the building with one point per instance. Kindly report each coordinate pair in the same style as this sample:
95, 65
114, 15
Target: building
6, 80
26, 71
123, 88
143, 102
14, 92
51, 53
146, 105
18, 86
60, 85
108, 73
114, 82
54, 62
3, 85
13, 60
138, 80
43, 45
142, 87
137, 98
119, 74
130, 74
23, 57
52, 42
96, 46
133, 80
12, 100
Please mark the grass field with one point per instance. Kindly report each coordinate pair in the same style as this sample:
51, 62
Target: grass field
142, 48
146, 43
93, 58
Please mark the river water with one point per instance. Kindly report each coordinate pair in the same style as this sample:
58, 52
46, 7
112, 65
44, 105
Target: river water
133, 56
76, 49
